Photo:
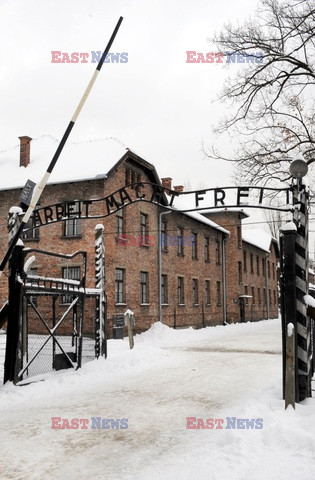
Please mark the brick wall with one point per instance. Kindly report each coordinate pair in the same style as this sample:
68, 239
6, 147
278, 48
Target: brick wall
133, 258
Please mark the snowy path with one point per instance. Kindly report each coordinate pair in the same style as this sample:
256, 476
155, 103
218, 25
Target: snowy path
170, 375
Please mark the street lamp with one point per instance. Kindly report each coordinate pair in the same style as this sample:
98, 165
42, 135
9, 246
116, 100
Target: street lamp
298, 168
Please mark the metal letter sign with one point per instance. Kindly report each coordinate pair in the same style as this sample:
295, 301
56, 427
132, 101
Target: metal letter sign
211, 198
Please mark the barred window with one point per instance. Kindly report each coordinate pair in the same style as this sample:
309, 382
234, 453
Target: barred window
144, 287
120, 225
194, 246
218, 294
195, 291
143, 228
73, 226
208, 295
119, 285
164, 293
33, 233
180, 241
207, 249
180, 290
70, 273
163, 235
217, 251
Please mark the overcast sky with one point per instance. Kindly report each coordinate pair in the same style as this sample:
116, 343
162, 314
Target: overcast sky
156, 103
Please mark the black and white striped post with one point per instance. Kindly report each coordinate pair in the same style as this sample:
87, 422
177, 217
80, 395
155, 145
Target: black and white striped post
298, 170
100, 323
43, 182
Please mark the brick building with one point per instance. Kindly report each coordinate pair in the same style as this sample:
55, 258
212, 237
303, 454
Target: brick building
182, 268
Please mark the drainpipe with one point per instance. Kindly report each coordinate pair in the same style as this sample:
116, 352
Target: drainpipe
224, 280
267, 285
160, 263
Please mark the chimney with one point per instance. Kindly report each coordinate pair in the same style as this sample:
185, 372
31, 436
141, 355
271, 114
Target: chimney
25, 148
167, 183
179, 188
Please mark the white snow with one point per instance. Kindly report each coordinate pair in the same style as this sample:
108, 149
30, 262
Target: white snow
78, 161
99, 226
183, 202
288, 226
309, 300
258, 238
290, 329
231, 371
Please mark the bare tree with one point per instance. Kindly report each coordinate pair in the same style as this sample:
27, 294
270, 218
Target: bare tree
271, 96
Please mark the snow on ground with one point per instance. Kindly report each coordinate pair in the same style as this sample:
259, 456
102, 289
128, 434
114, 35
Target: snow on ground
218, 372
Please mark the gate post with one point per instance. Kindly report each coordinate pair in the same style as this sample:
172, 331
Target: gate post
14, 299
101, 334
14, 313
298, 169
288, 297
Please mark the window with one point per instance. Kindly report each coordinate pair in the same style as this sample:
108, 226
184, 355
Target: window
144, 287
164, 296
208, 294
34, 232
240, 275
273, 270
239, 237
194, 246
265, 296
180, 241
132, 177
259, 296
246, 293
180, 290
245, 261
275, 297
253, 296
70, 273
207, 249
120, 226
217, 251
163, 235
269, 296
195, 291
218, 294
128, 176
258, 265
268, 269
119, 285
73, 226
251, 263
143, 229
263, 266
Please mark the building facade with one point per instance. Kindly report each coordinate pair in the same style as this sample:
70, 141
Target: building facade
181, 268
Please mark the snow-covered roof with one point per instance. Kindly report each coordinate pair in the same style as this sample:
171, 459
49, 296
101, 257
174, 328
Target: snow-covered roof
258, 238
78, 161
183, 202
84, 160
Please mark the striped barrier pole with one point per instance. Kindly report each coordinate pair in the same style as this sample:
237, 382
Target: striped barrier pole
300, 218
43, 182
